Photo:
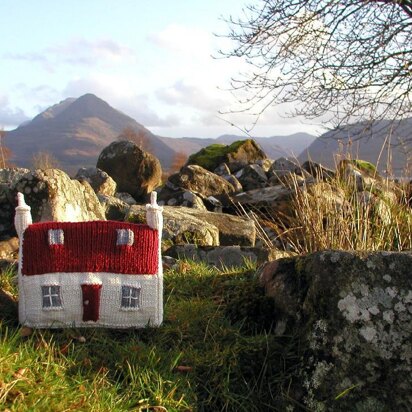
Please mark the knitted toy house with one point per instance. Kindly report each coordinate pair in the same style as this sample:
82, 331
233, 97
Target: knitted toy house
90, 274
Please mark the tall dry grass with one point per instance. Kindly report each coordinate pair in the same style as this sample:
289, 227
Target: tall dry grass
336, 213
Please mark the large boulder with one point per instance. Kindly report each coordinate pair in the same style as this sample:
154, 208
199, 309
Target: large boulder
53, 196
179, 227
8, 178
187, 225
237, 155
233, 230
135, 171
99, 180
352, 312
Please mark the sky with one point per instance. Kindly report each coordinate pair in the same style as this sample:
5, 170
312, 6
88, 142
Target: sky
157, 61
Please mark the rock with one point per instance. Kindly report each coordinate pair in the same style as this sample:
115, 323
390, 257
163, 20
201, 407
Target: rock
318, 171
199, 180
99, 180
53, 196
179, 226
234, 182
224, 256
134, 170
252, 177
352, 313
237, 155
284, 171
8, 179
125, 197
265, 164
181, 198
10, 176
275, 197
186, 225
283, 166
233, 230
361, 174
9, 249
222, 170
114, 208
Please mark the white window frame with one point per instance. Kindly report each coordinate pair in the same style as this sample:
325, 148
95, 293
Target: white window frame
47, 293
125, 237
126, 294
55, 237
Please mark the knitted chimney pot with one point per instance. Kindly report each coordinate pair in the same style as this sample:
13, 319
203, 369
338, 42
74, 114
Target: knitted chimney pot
90, 274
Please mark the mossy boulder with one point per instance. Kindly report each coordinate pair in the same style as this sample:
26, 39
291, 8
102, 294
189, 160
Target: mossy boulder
353, 313
236, 155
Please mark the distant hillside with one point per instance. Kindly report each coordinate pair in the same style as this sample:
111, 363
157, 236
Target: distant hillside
75, 131
372, 143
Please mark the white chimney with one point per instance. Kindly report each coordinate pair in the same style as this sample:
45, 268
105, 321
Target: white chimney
23, 217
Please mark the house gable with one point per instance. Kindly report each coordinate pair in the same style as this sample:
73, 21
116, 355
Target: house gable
90, 247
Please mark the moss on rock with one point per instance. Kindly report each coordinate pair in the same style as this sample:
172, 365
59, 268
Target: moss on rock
210, 157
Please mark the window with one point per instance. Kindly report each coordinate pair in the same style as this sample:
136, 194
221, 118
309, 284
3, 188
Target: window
56, 237
130, 297
51, 297
125, 237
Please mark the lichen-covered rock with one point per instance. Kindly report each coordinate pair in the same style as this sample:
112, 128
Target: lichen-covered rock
135, 171
251, 177
237, 155
99, 180
53, 196
353, 312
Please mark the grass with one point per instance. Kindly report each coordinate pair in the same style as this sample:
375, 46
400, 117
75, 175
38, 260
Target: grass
333, 212
214, 352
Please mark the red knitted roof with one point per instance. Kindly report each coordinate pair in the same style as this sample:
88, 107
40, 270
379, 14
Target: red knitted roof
90, 247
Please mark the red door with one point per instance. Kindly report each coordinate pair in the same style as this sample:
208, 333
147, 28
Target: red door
91, 302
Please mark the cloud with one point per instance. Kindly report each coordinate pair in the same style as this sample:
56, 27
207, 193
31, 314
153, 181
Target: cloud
184, 40
10, 117
77, 51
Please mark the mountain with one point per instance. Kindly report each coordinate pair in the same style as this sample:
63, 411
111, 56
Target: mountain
385, 144
75, 131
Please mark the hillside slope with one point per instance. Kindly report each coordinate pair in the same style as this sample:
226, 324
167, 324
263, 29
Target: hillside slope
75, 131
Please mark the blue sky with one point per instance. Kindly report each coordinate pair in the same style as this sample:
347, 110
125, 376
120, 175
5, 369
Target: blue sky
151, 59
